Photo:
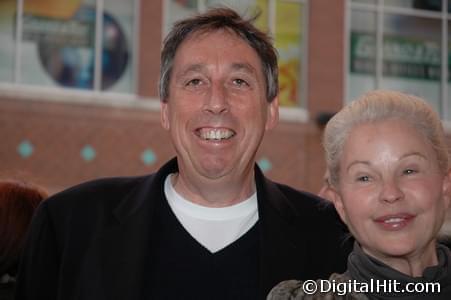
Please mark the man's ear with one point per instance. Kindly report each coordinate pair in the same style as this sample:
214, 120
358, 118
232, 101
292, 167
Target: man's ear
335, 197
164, 115
446, 188
273, 114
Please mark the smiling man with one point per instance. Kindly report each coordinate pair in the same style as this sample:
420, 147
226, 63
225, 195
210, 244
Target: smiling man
208, 224
216, 111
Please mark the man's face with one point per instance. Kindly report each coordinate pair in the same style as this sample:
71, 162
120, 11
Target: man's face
217, 110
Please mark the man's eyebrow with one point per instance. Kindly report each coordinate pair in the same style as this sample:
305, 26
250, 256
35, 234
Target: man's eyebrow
244, 66
191, 68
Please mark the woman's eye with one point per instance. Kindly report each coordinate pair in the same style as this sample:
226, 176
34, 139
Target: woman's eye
409, 171
364, 178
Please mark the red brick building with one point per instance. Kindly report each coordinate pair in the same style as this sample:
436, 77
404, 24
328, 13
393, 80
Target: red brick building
59, 137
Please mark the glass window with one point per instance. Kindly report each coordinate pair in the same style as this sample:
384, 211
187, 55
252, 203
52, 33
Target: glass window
411, 56
405, 46
448, 90
365, 1
178, 9
434, 5
59, 42
287, 28
362, 54
118, 74
7, 40
243, 7
288, 41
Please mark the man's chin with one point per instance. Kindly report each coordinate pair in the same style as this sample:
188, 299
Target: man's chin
215, 169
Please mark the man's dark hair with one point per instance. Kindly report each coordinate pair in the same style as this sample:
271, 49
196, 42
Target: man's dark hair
213, 20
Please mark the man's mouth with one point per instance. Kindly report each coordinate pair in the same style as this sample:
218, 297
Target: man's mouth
216, 134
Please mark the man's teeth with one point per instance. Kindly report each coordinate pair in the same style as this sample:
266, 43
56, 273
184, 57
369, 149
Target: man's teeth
216, 134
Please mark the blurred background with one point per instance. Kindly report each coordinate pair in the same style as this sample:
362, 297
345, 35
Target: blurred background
78, 79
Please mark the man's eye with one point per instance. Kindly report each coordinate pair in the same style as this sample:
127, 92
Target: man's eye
195, 81
240, 82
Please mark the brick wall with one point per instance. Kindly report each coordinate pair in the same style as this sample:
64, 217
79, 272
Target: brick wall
115, 139
124, 142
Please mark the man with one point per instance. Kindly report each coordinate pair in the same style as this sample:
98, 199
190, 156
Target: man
208, 224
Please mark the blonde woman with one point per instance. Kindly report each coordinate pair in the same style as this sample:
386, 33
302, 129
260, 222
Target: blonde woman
390, 183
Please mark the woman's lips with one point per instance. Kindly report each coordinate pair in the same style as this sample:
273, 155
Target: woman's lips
394, 222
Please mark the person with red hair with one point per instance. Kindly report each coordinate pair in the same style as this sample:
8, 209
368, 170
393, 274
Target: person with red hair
18, 200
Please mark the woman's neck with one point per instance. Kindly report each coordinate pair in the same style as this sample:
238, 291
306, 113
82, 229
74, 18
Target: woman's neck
412, 264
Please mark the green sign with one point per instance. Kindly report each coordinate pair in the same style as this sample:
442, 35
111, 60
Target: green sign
402, 57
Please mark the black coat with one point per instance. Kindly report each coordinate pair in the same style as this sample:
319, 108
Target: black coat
92, 241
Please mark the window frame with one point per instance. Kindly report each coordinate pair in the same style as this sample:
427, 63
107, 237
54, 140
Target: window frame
381, 9
95, 96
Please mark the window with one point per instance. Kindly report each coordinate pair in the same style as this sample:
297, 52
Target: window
56, 44
401, 45
285, 20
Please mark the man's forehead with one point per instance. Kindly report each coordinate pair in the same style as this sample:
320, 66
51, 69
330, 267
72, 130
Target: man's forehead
197, 59
232, 66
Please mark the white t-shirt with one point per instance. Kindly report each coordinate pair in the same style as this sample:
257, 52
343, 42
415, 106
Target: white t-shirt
214, 228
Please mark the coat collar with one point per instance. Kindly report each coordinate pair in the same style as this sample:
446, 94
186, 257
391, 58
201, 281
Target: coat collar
276, 222
278, 232
141, 194
267, 192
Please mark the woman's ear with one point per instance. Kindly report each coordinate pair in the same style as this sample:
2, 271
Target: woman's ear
326, 192
446, 188
334, 196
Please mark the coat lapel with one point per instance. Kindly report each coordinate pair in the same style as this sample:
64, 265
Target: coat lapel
125, 266
280, 256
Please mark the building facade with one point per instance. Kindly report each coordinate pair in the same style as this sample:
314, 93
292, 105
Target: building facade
74, 107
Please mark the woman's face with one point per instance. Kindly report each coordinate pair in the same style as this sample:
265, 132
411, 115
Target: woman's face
391, 192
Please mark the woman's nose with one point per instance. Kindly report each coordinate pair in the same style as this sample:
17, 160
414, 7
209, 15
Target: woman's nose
391, 191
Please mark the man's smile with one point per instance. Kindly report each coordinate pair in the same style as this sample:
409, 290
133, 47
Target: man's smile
216, 134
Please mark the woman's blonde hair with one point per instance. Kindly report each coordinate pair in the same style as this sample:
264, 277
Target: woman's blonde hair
381, 105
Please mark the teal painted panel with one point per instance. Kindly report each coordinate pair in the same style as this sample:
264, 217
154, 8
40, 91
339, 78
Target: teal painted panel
148, 157
88, 153
25, 149
264, 164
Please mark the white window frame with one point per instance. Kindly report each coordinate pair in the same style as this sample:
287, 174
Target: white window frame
22, 91
381, 9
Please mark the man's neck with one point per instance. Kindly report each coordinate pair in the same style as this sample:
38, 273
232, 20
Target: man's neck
215, 192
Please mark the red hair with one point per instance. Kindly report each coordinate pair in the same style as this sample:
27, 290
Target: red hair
18, 201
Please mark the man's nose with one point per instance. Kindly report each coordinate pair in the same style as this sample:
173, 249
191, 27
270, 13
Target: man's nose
217, 101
